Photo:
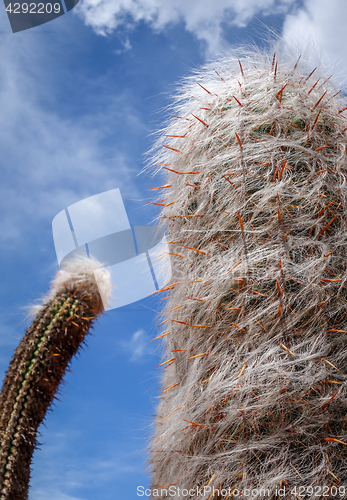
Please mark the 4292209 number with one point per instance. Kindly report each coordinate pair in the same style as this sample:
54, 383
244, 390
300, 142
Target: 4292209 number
318, 491
33, 8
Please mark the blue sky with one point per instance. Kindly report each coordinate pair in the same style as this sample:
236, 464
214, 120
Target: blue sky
79, 100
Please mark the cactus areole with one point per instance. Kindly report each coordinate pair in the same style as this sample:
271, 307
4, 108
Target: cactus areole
254, 201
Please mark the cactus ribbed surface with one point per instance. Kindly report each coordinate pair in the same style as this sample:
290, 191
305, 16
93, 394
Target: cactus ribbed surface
37, 368
255, 207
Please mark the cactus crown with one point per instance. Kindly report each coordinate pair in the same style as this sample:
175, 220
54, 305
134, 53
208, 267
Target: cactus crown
255, 205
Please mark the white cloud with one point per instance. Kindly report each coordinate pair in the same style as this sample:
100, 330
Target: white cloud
136, 346
62, 469
320, 27
203, 18
50, 157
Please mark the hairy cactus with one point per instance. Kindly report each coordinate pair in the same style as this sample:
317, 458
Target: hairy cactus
38, 365
254, 375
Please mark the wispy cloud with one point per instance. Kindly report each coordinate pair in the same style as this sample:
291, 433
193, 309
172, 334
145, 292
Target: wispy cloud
321, 27
50, 156
62, 471
136, 346
202, 18
316, 24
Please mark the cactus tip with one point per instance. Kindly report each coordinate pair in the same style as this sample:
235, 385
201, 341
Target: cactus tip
84, 272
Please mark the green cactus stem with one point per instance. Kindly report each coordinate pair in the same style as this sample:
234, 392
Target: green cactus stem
37, 368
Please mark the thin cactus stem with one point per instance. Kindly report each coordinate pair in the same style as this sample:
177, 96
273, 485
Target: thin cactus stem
36, 371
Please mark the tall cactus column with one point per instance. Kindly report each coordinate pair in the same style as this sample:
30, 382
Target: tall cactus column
255, 340
38, 366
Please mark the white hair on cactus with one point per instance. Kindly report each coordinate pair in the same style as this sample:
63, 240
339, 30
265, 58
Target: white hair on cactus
255, 205
85, 272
